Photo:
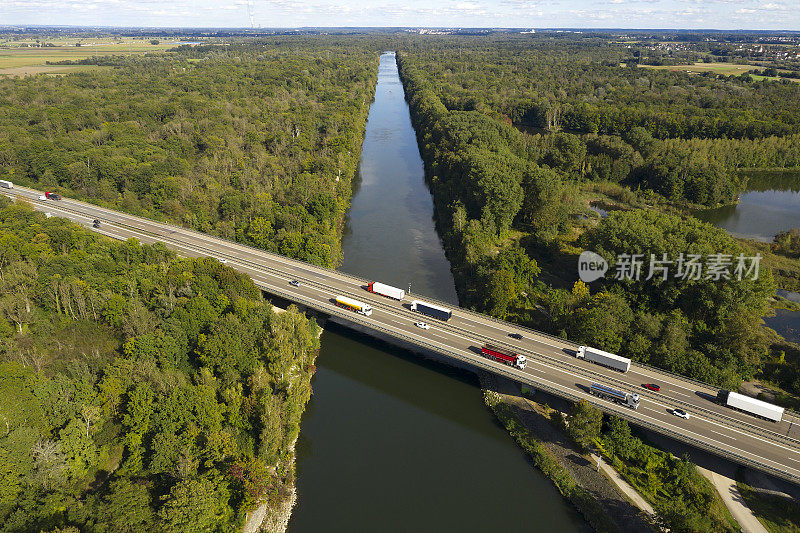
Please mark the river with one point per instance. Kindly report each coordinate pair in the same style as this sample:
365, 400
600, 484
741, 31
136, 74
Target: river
391, 441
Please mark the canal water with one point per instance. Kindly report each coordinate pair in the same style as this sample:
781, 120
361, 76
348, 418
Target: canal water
391, 441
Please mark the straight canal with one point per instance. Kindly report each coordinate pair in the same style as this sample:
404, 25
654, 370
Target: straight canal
391, 441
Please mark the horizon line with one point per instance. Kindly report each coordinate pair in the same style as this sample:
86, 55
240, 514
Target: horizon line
450, 28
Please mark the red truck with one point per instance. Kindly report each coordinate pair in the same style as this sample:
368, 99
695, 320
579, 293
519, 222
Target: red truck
504, 356
52, 196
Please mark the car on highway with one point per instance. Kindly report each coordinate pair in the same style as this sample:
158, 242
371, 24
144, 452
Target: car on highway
294, 283
517, 336
422, 325
48, 215
95, 223
43, 197
681, 413
223, 261
652, 386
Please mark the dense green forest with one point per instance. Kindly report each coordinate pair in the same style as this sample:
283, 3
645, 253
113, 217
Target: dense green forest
257, 141
513, 203
578, 85
680, 135
140, 392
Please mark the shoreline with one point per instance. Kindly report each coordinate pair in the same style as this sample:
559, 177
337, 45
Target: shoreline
276, 519
556, 458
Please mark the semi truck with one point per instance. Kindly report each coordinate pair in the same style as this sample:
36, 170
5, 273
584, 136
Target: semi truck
386, 290
604, 358
504, 356
6, 184
623, 398
750, 405
354, 305
52, 196
442, 313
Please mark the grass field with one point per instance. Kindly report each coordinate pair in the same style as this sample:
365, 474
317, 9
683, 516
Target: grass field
776, 514
18, 60
728, 69
720, 68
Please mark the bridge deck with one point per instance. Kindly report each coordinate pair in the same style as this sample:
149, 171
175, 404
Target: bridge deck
771, 447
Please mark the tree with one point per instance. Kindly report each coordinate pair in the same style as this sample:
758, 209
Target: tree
585, 423
80, 451
603, 321
502, 293
127, 507
196, 506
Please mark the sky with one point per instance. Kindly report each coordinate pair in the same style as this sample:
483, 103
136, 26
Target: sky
689, 14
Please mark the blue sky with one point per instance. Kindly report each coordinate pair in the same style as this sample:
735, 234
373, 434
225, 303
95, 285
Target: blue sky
720, 14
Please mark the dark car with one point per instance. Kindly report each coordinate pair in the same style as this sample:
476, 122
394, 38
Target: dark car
515, 336
96, 223
652, 387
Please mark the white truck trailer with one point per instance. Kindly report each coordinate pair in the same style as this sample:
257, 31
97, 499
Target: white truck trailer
604, 358
353, 305
750, 405
386, 290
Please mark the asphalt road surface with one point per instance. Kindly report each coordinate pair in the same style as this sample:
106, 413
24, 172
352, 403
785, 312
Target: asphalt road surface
769, 446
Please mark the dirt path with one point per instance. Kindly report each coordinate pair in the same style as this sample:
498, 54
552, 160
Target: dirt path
733, 500
625, 488
625, 515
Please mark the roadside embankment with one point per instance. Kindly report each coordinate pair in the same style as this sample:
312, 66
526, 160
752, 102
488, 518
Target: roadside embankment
551, 451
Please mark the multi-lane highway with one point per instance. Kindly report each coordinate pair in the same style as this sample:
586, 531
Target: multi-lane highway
552, 366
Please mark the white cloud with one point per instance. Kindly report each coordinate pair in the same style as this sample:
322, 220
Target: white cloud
725, 14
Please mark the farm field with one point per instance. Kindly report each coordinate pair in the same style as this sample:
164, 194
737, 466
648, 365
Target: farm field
18, 60
728, 69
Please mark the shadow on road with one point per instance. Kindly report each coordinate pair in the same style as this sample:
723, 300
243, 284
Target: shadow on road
706, 396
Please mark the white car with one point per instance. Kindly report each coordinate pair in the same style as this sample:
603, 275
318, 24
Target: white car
48, 215
294, 283
422, 325
681, 413
223, 261
43, 197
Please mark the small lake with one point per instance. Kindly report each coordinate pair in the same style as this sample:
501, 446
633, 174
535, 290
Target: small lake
770, 204
785, 322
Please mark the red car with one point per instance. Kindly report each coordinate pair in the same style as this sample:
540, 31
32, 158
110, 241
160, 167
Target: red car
652, 387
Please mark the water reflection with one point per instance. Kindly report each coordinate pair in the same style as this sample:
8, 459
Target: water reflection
770, 205
390, 441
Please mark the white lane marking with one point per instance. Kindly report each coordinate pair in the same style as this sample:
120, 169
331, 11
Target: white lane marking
724, 435
189, 248
684, 430
452, 334
701, 418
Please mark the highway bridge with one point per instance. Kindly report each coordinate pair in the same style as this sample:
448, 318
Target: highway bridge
552, 366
